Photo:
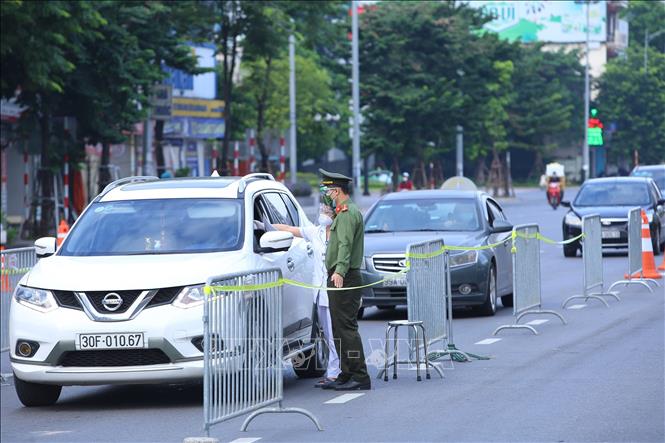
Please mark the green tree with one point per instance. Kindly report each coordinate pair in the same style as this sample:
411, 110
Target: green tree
635, 101
412, 56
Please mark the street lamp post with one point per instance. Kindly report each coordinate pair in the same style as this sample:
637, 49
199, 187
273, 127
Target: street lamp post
356, 97
585, 153
293, 164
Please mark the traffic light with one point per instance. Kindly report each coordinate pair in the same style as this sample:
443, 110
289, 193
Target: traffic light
595, 129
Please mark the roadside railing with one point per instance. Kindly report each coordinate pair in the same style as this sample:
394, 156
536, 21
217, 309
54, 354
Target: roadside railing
592, 257
243, 342
15, 264
526, 277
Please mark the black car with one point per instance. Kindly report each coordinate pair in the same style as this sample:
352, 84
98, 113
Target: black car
612, 198
462, 218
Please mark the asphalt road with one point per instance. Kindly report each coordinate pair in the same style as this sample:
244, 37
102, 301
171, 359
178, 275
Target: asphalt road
598, 378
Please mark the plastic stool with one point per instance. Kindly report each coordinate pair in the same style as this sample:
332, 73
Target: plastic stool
394, 325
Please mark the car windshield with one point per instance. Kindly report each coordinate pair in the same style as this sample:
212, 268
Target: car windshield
165, 226
613, 194
424, 215
658, 175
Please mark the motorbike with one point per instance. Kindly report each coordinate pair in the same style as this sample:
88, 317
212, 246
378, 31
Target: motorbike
554, 194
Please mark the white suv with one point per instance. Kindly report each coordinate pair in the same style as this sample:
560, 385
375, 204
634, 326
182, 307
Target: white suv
121, 300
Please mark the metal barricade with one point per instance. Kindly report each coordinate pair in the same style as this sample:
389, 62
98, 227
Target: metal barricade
243, 342
634, 252
526, 277
15, 264
592, 256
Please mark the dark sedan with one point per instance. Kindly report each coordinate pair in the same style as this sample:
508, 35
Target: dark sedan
612, 198
462, 218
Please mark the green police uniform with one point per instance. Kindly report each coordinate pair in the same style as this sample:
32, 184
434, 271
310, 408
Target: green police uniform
344, 256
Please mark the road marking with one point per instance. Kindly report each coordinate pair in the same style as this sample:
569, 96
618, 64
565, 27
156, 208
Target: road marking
246, 440
577, 307
488, 341
343, 399
413, 367
49, 433
537, 322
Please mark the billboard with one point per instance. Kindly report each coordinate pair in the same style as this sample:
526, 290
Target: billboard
545, 21
202, 85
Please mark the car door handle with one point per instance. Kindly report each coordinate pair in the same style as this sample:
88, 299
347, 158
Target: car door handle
310, 251
290, 264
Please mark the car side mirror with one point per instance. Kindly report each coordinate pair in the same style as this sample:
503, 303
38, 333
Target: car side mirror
565, 203
274, 241
501, 226
45, 246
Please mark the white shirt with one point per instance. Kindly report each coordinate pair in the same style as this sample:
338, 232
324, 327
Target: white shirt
316, 235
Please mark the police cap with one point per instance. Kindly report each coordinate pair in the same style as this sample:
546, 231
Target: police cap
333, 178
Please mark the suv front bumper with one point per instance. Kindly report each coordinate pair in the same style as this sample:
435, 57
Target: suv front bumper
167, 331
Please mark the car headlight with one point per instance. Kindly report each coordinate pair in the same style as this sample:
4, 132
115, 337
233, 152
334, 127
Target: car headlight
189, 297
573, 220
465, 258
38, 299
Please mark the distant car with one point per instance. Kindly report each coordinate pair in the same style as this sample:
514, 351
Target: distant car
611, 198
656, 172
381, 176
462, 218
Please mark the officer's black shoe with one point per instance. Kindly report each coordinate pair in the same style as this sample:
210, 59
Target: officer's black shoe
353, 385
334, 384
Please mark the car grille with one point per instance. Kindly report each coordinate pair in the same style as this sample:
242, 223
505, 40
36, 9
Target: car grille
164, 296
128, 297
67, 299
389, 263
114, 357
390, 292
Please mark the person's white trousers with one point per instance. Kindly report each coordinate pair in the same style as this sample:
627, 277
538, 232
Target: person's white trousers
333, 369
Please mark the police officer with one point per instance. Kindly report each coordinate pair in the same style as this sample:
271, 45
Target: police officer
343, 259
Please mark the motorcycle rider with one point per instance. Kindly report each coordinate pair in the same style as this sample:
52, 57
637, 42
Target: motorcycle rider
554, 178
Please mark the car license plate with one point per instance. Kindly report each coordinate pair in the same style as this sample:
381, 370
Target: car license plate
395, 282
611, 233
110, 341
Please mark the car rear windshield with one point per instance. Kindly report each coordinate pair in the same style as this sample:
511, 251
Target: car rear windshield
613, 194
424, 215
165, 226
658, 175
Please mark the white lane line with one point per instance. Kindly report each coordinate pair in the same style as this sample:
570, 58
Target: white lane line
537, 322
577, 307
343, 399
413, 367
49, 433
487, 341
246, 440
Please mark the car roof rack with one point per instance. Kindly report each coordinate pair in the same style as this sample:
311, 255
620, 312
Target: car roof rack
244, 181
124, 181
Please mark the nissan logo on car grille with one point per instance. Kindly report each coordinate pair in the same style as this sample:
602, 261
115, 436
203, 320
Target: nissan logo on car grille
112, 301
402, 263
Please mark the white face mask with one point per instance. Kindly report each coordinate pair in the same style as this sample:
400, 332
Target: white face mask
325, 220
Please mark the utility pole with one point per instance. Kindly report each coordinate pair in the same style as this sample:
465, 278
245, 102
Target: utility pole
355, 161
460, 151
293, 156
585, 153
147, 141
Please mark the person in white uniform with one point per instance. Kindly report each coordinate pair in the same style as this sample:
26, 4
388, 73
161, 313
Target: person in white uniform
318, 235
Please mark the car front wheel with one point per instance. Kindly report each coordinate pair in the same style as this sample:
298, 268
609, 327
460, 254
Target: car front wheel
312, 363
655, 241
35, 394
489, 307
570, 250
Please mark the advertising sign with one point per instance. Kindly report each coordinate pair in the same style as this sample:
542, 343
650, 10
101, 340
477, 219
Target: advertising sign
187, 85
545, 21
197, 107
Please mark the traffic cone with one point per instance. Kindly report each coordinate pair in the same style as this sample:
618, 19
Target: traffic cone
63, 229
648, 260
